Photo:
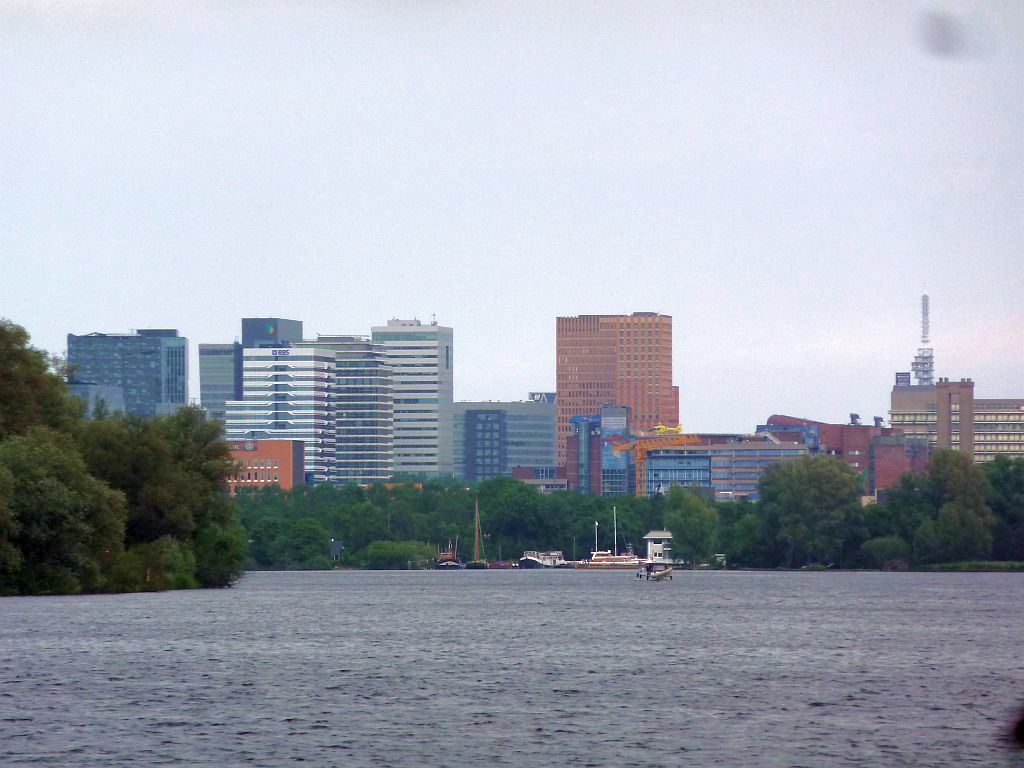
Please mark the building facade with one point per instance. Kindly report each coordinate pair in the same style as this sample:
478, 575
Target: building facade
948, 415
421, 361
288, 393
220, 377
363, 409
270, 332
623, 360
262, 463
492, 438
880, 455
583, 452
150, 366
731, 470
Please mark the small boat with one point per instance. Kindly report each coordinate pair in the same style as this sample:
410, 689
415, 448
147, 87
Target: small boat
553, 559
448, 560
655, 572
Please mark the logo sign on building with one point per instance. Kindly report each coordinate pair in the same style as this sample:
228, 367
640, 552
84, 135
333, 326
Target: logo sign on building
903, 379
280, 352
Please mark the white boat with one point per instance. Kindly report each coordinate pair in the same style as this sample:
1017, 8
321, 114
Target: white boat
553, 559
610, 558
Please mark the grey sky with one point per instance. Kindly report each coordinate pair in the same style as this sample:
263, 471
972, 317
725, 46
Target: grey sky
780, 177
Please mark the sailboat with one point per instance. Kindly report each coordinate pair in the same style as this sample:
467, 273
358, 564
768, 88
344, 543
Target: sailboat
477, 561
605, 558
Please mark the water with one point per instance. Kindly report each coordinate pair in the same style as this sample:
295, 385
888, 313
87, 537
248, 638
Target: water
571, 668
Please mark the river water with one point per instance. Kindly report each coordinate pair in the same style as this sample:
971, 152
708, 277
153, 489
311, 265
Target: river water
531, 668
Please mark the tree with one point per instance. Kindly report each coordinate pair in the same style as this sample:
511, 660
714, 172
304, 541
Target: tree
29, 393
693, 522
814, 501
959, 524
1006, 500
67, 526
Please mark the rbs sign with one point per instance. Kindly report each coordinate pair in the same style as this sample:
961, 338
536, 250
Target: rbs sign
280, 352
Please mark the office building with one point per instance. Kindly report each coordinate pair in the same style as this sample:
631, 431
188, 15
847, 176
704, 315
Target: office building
729, 469
110, 397
420, 357
220, 365
288, 393
622, 360
583, 455
220, 377
262, 463
150, 366
948, 415
880, 455
363, 409
270, 332
492, 438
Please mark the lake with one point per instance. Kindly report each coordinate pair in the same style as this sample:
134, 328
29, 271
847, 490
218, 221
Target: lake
531, 668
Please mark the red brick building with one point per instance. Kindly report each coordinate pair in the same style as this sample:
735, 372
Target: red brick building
880, 454
261, 463
623, 360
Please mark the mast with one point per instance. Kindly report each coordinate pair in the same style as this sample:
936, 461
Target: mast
476, 532
615, 533
595, 535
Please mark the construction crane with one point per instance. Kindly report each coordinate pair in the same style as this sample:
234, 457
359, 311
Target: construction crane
664, 438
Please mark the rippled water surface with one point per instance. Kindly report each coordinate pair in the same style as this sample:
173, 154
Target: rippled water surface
532, 668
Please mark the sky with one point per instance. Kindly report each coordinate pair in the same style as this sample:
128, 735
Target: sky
783, 178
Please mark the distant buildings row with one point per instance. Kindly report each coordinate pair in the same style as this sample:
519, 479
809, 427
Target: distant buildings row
369, 408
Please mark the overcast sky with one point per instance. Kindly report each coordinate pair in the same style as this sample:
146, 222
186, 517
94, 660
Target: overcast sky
780, 177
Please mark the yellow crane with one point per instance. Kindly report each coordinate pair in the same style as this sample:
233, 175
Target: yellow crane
665, 438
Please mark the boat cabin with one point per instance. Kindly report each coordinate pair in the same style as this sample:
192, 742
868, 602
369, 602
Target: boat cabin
659, 547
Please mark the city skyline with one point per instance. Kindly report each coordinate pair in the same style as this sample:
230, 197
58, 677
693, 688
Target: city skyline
782, 182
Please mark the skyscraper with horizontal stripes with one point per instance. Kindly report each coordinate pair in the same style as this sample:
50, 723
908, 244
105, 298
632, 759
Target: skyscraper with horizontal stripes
288, 392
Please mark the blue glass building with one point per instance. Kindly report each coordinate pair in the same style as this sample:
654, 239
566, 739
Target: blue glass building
150, 367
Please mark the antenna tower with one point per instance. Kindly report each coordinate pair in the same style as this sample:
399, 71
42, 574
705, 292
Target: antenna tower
924, 362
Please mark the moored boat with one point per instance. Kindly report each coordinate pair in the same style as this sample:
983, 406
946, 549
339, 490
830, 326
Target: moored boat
610, 558
553, 559
448, 559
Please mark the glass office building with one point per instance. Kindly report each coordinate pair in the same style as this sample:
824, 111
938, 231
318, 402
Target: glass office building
150, 366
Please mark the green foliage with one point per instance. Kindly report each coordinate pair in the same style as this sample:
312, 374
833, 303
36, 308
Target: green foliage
394, 555
885, 551
111, 504
30, 394
693, 522
166, 563
64, 523
812, 506
1006, 500
219, 554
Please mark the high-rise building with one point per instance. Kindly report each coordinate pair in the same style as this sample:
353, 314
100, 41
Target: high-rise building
270, 332
948, 415
492, 438
220, 365
623, 360
150, 366
220, 377
421, 362
288, 393
363, 409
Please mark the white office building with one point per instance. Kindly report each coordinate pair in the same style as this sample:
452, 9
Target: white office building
420, 358
363, 409
288, 392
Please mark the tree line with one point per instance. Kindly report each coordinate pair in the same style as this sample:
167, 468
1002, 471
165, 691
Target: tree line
112, 504
808, 513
